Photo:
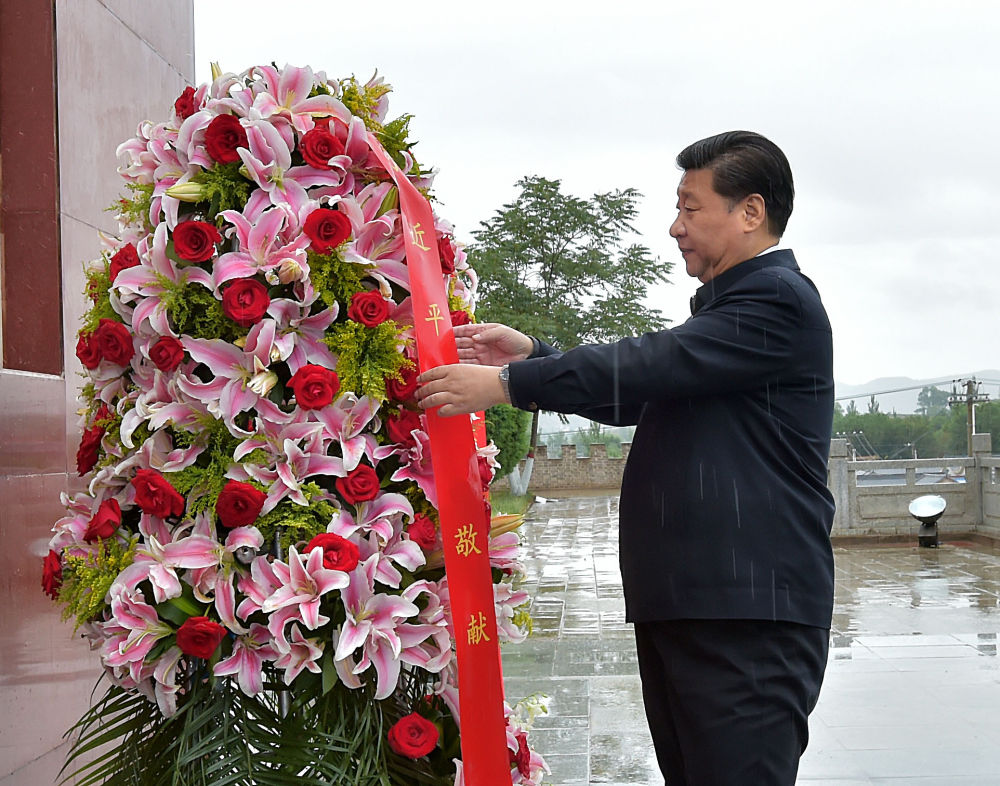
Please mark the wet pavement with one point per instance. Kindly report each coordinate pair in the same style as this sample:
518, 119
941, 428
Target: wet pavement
912, 690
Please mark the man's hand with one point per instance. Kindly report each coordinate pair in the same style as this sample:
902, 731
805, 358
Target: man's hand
491, 344
460, 389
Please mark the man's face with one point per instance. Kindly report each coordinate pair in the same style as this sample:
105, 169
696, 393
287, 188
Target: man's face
708, 231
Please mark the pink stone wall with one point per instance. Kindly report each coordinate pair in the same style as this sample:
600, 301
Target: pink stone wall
112, 64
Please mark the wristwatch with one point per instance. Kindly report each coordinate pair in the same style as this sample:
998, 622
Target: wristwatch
505, 382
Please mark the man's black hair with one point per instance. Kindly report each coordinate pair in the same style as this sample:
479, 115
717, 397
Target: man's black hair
744, 163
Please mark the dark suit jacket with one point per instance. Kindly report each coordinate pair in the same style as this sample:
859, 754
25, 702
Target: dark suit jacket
725, 511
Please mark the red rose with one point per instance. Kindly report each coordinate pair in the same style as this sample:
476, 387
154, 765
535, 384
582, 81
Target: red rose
423, 532
446, 251
369, 308
223, 135
194, 241
184, 105
114, 342
245, 301
86, 350
338, 553
522, 758
155, 495
404, 388
327, 228
460, 318
124, 258
413, 736
105, 522
314, 386
239, 504
360, 485
485, 472
167, 353
200, 637
89, 450
51, 575
400, 427
319, 146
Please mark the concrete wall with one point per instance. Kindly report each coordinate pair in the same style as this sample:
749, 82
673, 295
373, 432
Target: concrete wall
110, 65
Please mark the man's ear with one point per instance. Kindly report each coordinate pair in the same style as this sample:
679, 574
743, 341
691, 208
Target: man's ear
754, 213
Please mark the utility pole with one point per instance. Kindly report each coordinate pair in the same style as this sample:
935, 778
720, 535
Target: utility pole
971, 397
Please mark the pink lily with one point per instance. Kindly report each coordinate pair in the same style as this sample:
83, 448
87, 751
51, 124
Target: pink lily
302, 653
303, 584
372, 626
250, 652
286, 93
292, 465
268, 163
164, 680
214, 567
145, 283
260, 247
238, 374
434, 652
346, 421
415, 465
395, 549
299, 335
379, 516
132, 630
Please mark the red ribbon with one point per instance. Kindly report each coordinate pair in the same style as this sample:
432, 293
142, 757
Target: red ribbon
465, 525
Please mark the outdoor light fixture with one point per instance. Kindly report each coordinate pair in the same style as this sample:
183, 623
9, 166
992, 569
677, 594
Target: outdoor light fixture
927, 510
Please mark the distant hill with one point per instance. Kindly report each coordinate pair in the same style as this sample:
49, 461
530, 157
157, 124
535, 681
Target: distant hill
899, 394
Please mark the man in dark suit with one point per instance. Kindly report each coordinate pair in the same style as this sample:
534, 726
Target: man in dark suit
725, 514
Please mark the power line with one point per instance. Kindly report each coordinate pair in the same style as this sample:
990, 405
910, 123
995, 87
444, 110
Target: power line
921, 386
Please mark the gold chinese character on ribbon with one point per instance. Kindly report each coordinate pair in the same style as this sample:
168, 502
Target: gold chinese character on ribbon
466, 538
477, 629
435, 316
417, 236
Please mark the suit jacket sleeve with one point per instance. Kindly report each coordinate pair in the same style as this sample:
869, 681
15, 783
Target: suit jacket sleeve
737, 342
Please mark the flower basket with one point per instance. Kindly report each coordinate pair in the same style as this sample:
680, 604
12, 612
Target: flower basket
257, 557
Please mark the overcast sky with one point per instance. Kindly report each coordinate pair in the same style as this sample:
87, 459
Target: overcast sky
887, 111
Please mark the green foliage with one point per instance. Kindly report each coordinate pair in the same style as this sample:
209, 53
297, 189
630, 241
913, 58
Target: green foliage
224, 187
202, 482
297, 522
393, 137
221, 737
334, 279
194, 311
87, 579
562, 268
362, 100
366, 356
930, 436
932, 401
97, 292
134, 210
510, 431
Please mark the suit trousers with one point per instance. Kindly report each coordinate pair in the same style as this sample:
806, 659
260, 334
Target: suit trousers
727, 701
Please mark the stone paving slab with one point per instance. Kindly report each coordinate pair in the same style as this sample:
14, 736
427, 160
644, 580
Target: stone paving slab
912, 691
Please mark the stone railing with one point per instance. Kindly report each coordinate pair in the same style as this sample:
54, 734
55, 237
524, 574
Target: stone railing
875, 506
869, 506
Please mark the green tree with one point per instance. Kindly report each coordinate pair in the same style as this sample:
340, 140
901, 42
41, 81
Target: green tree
932, 400
508, 428
565, 269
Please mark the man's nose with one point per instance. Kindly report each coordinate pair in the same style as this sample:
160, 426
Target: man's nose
676, 228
